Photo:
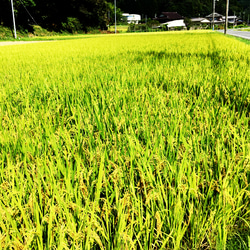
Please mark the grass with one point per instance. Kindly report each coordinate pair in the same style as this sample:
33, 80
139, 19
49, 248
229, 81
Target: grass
39, 34
119, 28
125, 142
246, 29
243, 40
246, 41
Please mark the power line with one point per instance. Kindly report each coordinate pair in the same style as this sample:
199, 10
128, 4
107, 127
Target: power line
13, 16
28, 12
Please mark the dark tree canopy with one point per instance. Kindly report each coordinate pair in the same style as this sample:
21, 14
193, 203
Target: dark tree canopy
187, 8
80, 14
55, 14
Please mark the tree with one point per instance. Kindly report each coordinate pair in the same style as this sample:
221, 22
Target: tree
20, 7
111, 14
93, 13
58, 14
245, 8
77, 14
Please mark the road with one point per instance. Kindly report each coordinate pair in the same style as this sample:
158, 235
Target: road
241, 34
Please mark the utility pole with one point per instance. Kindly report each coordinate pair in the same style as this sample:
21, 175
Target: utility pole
226, 21
234, 20
115, 16
213, 12
14, 23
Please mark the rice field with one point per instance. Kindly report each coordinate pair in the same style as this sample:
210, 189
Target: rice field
126, 142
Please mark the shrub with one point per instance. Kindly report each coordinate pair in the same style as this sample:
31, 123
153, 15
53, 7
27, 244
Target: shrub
72, 25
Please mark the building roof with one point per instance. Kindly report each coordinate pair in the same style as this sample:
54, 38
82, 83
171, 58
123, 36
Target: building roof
215, 15
230, 17
199, 20
168, 16
196, 19
175, 23
205, 21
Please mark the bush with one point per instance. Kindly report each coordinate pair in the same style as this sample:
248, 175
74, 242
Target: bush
72, 25
188, 23
92, 30
165, 27
241, 26
39, 31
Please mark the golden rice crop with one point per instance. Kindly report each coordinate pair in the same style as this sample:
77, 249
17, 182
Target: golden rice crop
125, 142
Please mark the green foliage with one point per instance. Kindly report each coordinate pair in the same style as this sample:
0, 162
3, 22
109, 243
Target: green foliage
56, 14
151, 23
41, 32
5, 33
187, 8
72, 25
111, 14
241, 26
164, 27
188, 22
24, 3
143, 27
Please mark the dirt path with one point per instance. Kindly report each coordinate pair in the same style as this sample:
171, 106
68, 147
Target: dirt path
20, 42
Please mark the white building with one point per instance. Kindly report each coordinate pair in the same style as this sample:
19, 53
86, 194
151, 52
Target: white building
199, 20
231, 19
131, 18
175, 23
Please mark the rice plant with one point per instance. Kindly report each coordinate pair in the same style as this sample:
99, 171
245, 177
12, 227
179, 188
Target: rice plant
125, 142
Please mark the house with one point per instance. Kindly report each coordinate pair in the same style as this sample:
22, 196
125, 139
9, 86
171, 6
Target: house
174, 24
199, 20
131, 18
168, 16
218, 18
199, 23
231, 19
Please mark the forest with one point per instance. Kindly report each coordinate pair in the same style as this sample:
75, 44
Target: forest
187, 8
80, 14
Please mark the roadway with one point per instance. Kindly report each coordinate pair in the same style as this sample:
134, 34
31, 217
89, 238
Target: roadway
238, 33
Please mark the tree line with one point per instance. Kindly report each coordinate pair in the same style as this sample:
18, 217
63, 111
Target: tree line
186, 8
56, 14
73, 15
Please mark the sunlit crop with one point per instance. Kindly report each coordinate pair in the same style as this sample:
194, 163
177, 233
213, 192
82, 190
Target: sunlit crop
125, 142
